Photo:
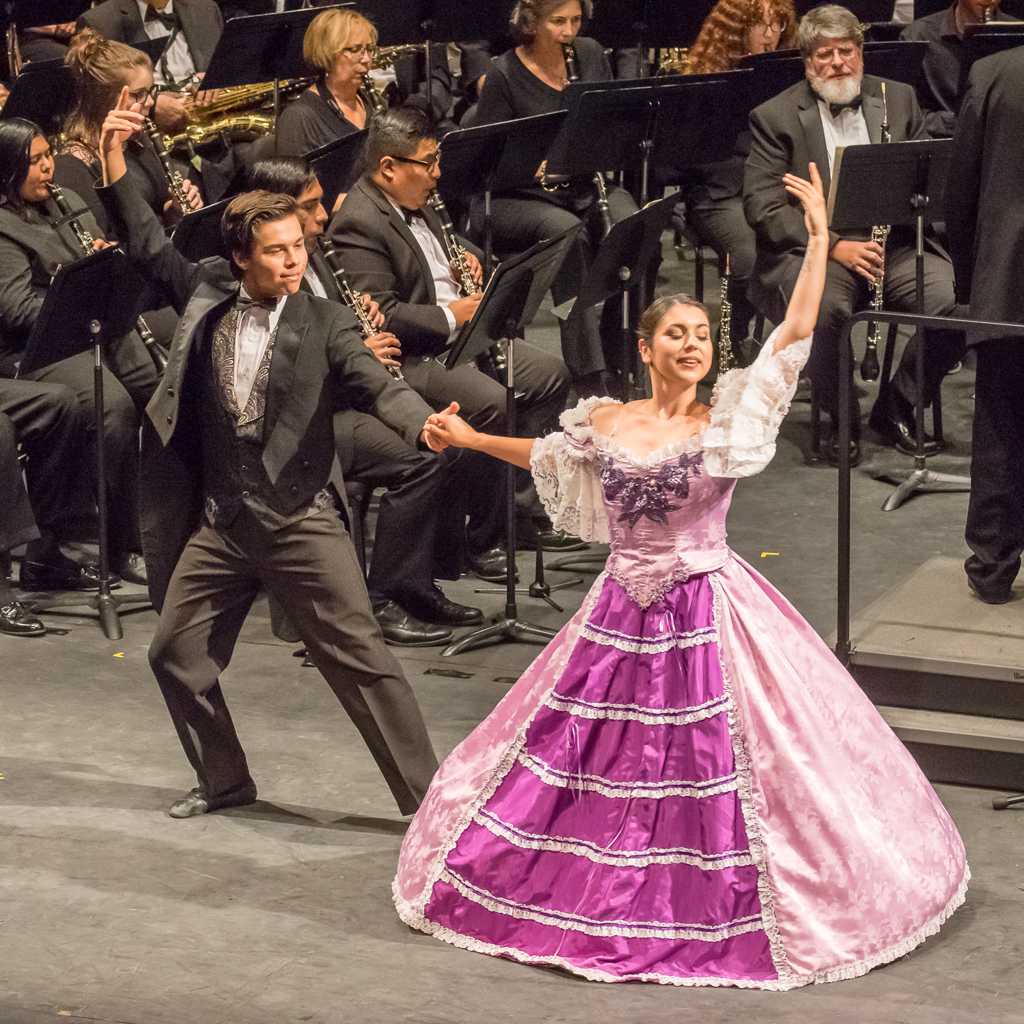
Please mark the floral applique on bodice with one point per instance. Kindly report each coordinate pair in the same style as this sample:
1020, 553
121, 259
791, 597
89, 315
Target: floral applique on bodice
663, 514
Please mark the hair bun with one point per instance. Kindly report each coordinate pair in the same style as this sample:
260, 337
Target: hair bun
85, 47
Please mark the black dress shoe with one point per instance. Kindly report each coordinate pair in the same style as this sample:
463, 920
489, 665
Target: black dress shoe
132, 569
197, 802
66, 576
990, 595
490, 565
832, 453
897, 428
401, 629
17, 620
530, 537
433, 606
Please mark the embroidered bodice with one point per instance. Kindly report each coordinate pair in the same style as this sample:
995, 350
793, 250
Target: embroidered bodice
663, 514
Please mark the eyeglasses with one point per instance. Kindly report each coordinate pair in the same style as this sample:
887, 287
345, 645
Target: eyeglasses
429, 164
144, 96
826, 54
355, 52
778, 26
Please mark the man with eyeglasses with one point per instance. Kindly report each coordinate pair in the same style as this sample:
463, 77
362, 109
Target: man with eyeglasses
390, 243
838, 105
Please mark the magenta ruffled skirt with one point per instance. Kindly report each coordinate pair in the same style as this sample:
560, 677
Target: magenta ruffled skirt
621, 813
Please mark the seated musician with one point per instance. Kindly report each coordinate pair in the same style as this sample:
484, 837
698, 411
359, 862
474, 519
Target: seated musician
838, 105
938, 88
403, 568
49, 424
714, 192
528, 80
101, 67
34, 240
192, 29
339, 47
391, 246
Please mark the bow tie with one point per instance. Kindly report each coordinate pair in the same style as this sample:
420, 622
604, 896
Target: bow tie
835, 109
246, 304
411, 215
168, 20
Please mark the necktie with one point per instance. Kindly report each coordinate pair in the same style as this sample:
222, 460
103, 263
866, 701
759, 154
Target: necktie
835, 109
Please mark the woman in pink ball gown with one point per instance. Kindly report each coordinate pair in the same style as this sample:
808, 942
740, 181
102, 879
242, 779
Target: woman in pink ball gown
685, 787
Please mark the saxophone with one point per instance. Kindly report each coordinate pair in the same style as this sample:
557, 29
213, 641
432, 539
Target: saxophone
869, 369
725, 357
348, 295
572, 74
175, 182
452, 247
85, 241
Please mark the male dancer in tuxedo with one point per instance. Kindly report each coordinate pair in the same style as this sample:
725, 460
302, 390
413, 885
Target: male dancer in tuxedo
238, 450
390, 241
985, 221
838, 105
402, 570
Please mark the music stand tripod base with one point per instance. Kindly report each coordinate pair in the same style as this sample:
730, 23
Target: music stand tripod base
926, 481
1004, 803
104, 603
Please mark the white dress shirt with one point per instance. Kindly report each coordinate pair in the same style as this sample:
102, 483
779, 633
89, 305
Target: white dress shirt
312, 279
445, 288
848, 129
256, 326
178, 58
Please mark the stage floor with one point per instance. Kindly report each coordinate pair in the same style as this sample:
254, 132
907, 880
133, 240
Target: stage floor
112, 912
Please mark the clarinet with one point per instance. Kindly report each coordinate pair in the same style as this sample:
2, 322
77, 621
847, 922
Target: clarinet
572, 74
347, 294
869, 369
725, 359
175, 182
85, 241
453, 249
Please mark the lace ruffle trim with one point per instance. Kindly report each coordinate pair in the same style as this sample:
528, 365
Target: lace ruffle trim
646, 590
635, 712
613, 858
646, 646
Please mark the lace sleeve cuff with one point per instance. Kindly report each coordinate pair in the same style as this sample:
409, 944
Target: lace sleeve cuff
748, 407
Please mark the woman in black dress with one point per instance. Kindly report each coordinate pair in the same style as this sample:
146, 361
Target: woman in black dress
339, 47
528, 80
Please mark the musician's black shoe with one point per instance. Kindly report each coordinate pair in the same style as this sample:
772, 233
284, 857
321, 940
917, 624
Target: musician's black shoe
401, 629
433, 606
832, 452
17, 620
131, 567
196, 802
490, 565
894, 420
990, 595
529, 537
66, 575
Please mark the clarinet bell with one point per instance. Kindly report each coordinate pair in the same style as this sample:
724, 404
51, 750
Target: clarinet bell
869, 369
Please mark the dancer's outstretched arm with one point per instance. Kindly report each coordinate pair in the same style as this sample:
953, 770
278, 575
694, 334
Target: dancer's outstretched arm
802, 312
449, 430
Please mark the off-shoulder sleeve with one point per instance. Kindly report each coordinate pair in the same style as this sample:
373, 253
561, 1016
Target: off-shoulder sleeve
747, 409
566, 473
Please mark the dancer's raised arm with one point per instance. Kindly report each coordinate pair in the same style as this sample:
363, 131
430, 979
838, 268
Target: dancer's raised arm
446, 429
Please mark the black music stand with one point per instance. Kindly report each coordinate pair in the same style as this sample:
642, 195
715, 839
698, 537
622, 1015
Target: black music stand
84, 306
646, 23
337, 166
198, 236
43, 93
494, 158
511, 300
983, 41
894, 185
31, 13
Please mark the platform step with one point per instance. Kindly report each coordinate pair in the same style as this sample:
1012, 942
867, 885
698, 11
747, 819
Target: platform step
967, 749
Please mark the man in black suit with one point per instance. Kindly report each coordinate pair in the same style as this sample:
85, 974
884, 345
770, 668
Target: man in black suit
192, 29
403, 567
985, 221
838, 105
238, 451
391, 245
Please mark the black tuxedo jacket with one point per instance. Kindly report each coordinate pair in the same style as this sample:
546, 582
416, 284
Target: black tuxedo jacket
317, 353
984, 214
381, 256
201, 24
786, 135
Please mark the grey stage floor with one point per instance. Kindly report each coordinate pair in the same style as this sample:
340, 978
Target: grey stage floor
280, 913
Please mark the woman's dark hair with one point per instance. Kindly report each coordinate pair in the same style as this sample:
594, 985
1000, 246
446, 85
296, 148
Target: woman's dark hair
651, 316
528, 14
246, 213
286, 175
16, 137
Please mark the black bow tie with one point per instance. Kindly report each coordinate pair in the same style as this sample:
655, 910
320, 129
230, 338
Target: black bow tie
169, 21
835, 109
411, 215
245, 303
